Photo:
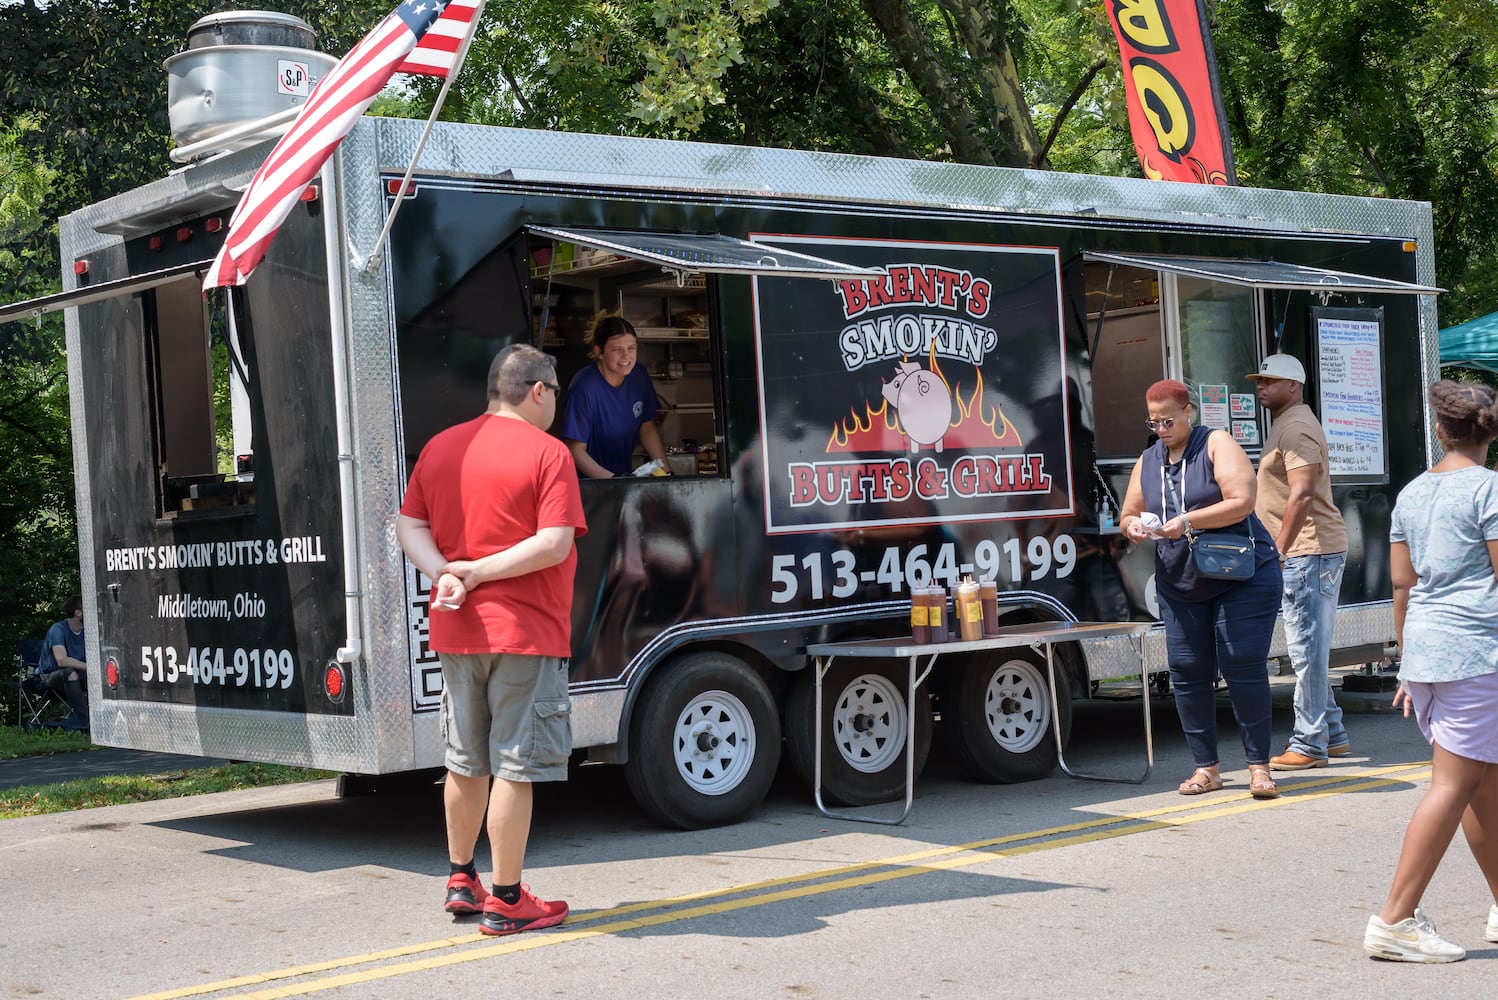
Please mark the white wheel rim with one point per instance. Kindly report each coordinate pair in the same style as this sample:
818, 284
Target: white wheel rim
714, 743
868, 723
1016, 706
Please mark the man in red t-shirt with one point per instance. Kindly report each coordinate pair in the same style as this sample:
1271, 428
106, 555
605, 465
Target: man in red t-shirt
490, 516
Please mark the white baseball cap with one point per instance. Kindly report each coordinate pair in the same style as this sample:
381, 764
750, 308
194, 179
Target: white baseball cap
1285, 366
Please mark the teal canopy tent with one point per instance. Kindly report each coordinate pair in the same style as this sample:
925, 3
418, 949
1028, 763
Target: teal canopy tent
1473, 344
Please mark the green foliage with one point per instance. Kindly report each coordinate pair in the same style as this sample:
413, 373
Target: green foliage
1388, 98
38, 559
83, 96
655, 67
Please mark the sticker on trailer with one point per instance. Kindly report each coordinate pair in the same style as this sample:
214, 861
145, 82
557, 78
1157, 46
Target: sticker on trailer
940, 388
293, 78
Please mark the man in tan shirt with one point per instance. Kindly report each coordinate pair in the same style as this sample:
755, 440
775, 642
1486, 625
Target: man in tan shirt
1295, 504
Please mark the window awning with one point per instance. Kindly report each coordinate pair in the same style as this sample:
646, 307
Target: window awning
35, 308
694, 254
1265, 274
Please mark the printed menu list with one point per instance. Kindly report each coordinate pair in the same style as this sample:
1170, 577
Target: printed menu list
1352, 396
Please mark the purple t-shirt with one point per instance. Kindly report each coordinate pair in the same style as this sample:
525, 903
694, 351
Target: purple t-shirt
607, 418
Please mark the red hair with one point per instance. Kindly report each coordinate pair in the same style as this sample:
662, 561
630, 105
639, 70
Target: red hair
1168, 391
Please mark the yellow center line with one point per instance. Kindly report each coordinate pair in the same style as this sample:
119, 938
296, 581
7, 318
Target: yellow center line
616, 920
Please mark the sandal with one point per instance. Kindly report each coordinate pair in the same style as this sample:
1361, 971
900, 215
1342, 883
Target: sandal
1201, 780
1260, 784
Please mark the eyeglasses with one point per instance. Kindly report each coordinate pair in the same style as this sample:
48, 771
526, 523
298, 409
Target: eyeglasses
550, 385
1163, 424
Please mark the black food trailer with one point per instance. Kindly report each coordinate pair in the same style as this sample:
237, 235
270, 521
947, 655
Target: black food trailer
874, 375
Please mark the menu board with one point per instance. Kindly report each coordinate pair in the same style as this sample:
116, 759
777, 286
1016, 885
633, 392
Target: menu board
1351, 379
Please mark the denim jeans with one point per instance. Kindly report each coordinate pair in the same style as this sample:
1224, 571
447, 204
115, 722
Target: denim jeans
1228, 636
1309, 609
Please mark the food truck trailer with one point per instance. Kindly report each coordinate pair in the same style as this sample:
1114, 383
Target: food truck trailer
874, 375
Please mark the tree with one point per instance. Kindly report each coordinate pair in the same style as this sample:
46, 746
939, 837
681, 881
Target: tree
1379, 98
38, 556
83, 97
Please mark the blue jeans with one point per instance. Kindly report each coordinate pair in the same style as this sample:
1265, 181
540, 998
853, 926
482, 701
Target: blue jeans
1228, 636
1309, 610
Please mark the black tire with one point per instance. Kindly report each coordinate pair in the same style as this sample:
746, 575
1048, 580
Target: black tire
704, 742
863, 731
996, 716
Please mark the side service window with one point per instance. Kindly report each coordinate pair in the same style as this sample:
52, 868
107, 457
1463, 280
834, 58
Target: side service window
1157, 325
200, 411
573, 286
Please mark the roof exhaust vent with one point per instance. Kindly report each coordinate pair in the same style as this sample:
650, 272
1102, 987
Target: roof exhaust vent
240, 67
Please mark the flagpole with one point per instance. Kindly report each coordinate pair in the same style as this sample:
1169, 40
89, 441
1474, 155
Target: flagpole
447, 82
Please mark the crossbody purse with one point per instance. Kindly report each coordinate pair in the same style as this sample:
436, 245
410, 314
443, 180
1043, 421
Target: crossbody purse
1217, 555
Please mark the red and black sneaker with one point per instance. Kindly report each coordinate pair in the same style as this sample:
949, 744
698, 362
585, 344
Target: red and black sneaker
529, 914
465, 894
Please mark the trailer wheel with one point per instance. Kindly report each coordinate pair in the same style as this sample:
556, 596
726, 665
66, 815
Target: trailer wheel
705, 743
863, 731
996, 716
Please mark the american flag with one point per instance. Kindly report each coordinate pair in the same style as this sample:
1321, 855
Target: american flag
439, 47
419, 36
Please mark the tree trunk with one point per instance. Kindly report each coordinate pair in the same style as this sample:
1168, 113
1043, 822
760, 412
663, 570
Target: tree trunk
941, 93
981, 25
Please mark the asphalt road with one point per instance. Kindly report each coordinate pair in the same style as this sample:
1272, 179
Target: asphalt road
1055, 888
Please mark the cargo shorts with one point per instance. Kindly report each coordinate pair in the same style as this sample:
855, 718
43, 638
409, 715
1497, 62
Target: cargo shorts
506, 714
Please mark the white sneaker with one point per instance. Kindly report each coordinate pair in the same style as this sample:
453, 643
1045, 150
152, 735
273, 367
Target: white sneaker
1492, 934
1413, 939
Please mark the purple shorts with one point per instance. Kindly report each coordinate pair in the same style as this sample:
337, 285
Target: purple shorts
1461, 716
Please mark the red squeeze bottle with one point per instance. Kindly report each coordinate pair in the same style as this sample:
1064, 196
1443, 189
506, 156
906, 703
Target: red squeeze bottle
988, 593
936, 613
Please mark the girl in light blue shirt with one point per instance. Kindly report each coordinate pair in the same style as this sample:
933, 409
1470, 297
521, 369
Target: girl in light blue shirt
1443, 558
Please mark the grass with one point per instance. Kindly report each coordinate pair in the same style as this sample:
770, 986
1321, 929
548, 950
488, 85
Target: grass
17, 742
116, 789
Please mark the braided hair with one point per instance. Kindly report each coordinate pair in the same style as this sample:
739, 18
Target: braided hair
1467, 412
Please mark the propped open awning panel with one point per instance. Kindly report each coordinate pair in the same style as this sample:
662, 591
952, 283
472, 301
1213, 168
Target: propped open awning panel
35, 308
1264, 273
696, 254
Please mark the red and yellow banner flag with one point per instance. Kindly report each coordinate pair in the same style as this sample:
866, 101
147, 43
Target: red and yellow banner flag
1175, 104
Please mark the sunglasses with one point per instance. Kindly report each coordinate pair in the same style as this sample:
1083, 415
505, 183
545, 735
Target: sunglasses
550, 385
1163, 424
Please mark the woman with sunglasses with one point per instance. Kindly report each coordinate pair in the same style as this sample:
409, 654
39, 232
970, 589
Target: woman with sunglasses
1196, 479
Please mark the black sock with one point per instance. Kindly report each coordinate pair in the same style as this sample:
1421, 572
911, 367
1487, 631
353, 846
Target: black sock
508, 894
453, 868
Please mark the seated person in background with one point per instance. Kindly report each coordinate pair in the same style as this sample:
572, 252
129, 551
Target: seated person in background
611, 404
62, 667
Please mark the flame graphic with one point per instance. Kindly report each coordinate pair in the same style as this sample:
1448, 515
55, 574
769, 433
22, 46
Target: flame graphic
876, 430
977, 425
1199, 171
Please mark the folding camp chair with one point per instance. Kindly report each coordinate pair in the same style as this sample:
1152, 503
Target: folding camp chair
37, 705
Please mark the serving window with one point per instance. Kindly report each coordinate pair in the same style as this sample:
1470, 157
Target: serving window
673, 316
200, 406
1208, 323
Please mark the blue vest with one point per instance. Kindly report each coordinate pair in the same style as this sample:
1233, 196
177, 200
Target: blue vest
1195, 486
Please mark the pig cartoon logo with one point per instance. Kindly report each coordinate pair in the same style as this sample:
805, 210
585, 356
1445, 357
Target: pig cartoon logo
923, 405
